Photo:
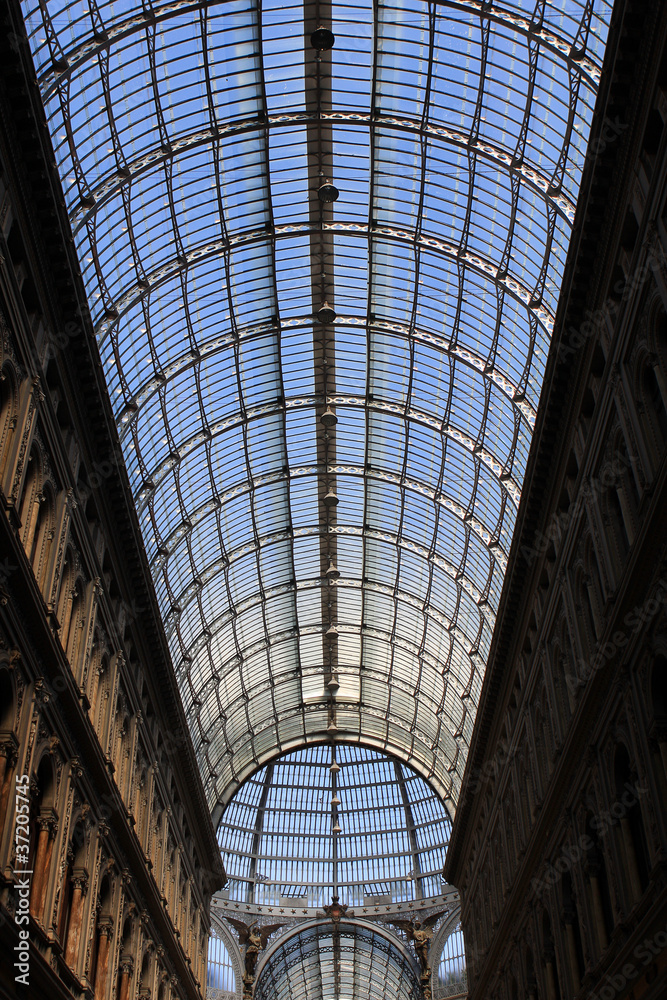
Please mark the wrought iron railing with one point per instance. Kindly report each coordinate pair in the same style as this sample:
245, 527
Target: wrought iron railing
213, 993
450, 991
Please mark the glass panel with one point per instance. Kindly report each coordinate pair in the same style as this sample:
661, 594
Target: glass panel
192, 140
276, 836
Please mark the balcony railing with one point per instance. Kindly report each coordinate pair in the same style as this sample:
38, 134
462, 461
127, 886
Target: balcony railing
213, 993
450, 991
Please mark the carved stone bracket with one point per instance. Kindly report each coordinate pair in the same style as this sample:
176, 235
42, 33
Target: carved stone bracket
9, 747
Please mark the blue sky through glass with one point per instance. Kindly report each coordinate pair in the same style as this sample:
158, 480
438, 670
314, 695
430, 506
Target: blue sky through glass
184, 135
276, 834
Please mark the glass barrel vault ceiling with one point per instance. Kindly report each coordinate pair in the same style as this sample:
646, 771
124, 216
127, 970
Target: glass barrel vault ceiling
191, 140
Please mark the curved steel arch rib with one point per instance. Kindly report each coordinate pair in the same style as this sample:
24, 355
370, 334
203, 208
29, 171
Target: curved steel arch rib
321, 959
192, 138
496, 156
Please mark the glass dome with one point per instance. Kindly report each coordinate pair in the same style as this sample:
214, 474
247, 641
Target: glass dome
279, 840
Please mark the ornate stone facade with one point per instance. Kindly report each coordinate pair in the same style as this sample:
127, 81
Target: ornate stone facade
122, 851
560, 844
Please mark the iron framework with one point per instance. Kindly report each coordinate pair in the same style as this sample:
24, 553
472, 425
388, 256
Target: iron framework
277, 838
338, 960
192, 139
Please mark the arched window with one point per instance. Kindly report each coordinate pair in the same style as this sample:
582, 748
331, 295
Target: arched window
452, 976
42, 539
140, 806
548, 728
74, 627
525, 798
122, 761
220, 973
510, 828
632, 840
8, 743
9, 403
593, 585
31, 498
157, 840
126, 963
99, 692
587, 615
170, 879
146, 975
66, 596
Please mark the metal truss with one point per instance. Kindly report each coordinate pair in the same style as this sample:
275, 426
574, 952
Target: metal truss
128, 298
118, 181
326, 493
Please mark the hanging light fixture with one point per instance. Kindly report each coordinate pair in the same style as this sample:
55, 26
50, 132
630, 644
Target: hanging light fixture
329, 418
325, 313
335, 800
333, 684
333, 572
334, 768
332, 727
337, 827
331, 498
331, 631
322, 39
327, 192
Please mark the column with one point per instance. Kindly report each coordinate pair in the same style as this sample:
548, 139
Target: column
46, 825
79, 880
105, 930
126, 968
8, 757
